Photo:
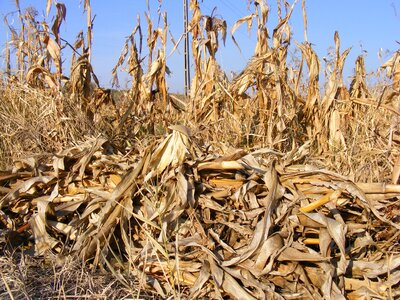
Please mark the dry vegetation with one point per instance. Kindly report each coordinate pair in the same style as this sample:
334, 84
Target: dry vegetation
264, 186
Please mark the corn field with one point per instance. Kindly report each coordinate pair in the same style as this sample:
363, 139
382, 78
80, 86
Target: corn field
270, 185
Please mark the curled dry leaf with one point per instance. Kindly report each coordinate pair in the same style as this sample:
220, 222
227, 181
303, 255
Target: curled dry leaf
39, 75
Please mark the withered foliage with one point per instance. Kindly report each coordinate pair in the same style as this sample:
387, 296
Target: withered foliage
177, 216
265, 186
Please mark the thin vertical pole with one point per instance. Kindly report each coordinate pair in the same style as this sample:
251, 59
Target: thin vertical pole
186, 51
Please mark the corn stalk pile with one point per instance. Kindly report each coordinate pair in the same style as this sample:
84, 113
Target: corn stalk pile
268, 185
247, 224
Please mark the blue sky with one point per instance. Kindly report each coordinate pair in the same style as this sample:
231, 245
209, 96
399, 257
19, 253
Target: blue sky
365, 25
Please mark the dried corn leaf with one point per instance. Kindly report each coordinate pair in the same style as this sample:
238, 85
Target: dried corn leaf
171, 152
43, 240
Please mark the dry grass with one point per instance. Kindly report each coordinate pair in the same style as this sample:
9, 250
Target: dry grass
23, 277
267, 185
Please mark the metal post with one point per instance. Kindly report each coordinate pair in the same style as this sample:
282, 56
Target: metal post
186, 51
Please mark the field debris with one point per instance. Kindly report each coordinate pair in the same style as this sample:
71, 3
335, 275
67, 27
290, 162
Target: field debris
272, 184
244, 224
